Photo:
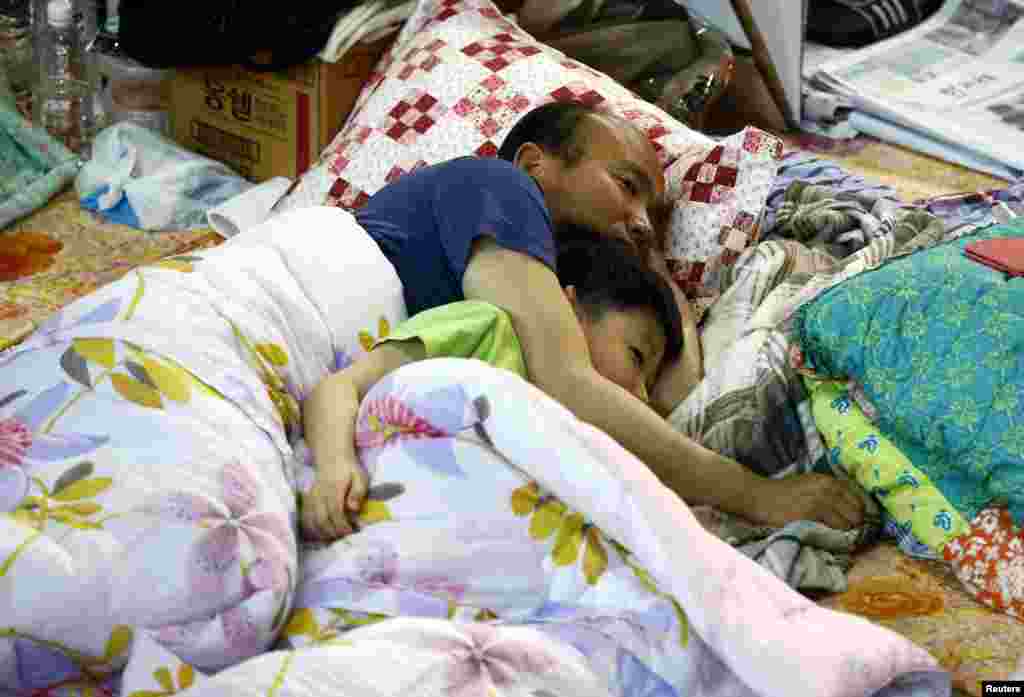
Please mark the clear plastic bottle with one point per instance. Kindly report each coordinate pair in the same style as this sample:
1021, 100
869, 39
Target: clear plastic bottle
87, 15
134, 92
64, 101
61, 60
131, 91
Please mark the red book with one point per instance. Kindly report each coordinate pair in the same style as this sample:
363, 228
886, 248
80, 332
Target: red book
1004, 254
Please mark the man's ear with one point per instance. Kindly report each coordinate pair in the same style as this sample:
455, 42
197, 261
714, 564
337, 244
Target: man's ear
570, 294
532, 158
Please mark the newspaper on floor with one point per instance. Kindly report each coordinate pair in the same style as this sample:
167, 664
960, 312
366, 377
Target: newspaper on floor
957, 80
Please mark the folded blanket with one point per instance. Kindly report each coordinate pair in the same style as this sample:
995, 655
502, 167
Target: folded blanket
920, 323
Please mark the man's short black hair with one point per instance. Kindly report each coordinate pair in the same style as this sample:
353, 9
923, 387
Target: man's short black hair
554, 126
608, 274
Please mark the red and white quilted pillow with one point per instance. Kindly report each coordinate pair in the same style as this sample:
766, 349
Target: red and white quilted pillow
719, 203
457, 79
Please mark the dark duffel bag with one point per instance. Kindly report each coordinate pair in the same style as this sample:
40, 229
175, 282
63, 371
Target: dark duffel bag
264, 37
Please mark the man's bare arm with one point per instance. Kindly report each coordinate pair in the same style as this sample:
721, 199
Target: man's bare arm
559, 363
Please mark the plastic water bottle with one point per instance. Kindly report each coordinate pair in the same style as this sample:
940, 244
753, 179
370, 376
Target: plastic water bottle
89, 15
130, 91
62, 60
64, 102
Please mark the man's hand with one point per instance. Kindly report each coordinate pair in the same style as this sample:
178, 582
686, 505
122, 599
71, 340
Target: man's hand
816, 497
334, 500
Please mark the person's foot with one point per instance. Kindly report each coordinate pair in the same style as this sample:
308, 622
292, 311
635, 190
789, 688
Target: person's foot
856, 23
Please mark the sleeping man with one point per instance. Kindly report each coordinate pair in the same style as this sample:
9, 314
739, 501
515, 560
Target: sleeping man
626, 312
481, 229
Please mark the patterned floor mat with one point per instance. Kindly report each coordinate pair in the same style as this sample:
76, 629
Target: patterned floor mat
923, 601
914, 175
62, 252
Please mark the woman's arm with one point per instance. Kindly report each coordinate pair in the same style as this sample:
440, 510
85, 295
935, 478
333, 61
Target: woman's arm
329, 420
558, 362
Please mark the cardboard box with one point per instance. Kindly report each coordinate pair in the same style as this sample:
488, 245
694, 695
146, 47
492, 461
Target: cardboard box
267, 125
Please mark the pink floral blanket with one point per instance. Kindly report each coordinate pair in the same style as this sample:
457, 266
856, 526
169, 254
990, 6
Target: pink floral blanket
149, 463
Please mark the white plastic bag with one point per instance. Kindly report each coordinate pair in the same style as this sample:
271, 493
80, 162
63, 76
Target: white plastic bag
138, 177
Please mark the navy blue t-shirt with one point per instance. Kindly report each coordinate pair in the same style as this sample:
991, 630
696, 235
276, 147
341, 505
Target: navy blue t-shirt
426, 222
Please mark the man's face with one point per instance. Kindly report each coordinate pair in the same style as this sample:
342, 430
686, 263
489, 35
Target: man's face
611, 186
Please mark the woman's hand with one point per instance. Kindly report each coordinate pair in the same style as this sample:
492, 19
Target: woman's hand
331, 505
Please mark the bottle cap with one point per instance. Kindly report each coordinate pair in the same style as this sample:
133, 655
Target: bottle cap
59, 13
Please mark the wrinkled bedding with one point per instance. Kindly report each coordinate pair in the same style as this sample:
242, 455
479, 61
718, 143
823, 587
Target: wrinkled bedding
753, 404
940, 500
821, 178
934, 342
149, 439
478, 523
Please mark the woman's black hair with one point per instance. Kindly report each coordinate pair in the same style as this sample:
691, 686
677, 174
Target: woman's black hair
554, 126
608, 274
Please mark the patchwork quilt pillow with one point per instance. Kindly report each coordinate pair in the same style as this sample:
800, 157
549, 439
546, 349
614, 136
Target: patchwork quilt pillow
460, 75
719, 206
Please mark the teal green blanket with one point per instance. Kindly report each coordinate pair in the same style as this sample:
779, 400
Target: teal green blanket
33, 166
937, 341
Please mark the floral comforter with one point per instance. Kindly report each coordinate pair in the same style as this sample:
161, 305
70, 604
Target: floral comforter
150, 453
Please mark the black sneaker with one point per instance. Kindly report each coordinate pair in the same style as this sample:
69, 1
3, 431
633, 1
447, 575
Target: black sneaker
856, 23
